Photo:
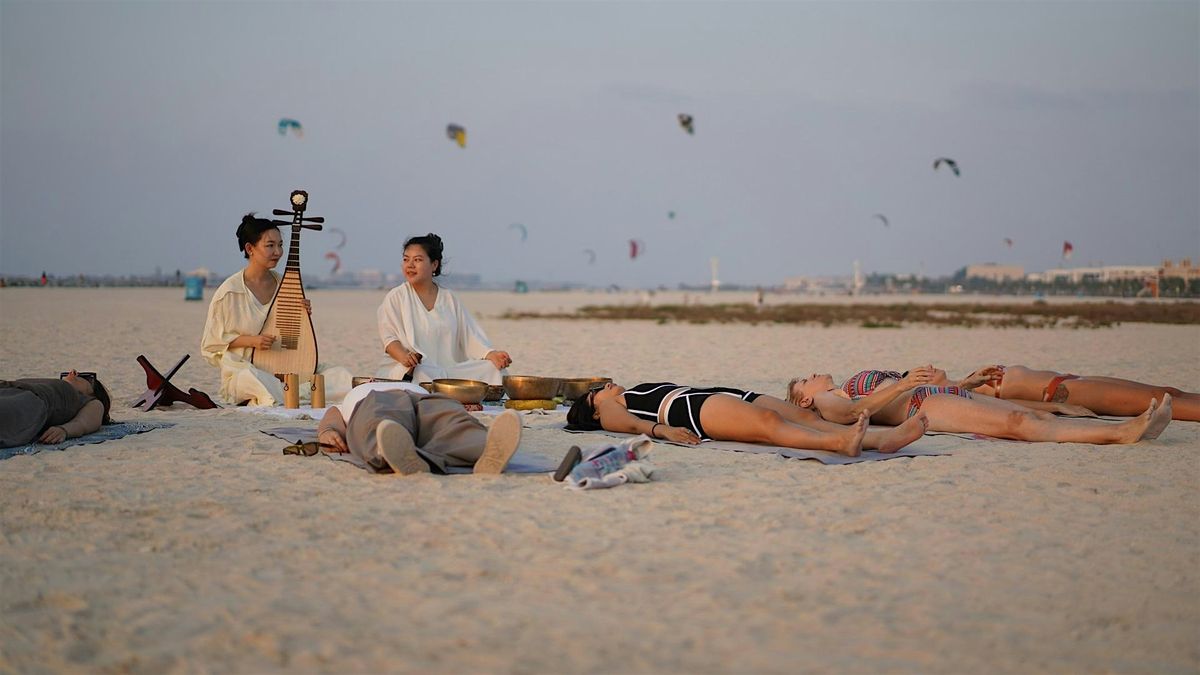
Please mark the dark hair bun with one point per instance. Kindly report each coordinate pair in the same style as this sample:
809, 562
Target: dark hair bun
251, 230
433, 248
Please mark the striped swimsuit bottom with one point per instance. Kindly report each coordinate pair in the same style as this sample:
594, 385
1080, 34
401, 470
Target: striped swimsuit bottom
921, 393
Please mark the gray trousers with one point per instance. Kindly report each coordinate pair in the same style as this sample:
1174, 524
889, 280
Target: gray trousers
445, 433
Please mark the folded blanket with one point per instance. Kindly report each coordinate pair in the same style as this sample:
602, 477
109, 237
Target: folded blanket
520, 463
821, 456
108, 432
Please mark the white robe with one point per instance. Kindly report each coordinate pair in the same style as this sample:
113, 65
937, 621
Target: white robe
235, 311
449, 341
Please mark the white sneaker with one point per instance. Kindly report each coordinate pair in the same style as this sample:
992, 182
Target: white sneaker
503, 437
398, 449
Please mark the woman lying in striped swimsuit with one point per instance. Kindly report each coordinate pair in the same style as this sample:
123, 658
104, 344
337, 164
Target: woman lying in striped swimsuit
890, 398
691, 415
1049, 390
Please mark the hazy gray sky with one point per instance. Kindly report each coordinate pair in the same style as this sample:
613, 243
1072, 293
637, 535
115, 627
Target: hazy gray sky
135, 135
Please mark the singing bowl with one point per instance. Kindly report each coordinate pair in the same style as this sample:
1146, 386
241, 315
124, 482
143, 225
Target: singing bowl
495, 392
528, 387
578, 387
463, 391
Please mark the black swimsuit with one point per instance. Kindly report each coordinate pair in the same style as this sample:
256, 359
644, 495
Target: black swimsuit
644, 400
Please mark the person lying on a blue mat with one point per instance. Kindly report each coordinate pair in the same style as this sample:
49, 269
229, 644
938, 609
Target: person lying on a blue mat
690, 415
49, 410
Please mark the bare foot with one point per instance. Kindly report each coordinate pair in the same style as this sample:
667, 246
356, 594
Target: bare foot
852, 445
898, 437
1136, 429
1159, 419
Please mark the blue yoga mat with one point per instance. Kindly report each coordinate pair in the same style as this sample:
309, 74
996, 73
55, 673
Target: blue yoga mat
109, 432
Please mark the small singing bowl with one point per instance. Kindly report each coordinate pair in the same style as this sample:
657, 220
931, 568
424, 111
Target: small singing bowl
427, 386
529, 387
578, 387
463, 391
495, 392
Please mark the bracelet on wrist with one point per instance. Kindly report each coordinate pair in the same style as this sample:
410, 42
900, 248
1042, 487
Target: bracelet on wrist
656, 425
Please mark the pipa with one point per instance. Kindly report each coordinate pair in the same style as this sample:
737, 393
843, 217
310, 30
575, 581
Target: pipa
295, 347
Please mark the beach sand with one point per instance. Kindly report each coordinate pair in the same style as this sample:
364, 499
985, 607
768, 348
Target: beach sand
203, 548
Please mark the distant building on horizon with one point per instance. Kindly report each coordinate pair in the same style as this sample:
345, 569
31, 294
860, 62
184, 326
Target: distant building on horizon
994, 272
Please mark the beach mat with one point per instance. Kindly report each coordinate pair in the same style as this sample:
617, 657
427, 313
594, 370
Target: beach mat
108, 432
520, 463
821, 456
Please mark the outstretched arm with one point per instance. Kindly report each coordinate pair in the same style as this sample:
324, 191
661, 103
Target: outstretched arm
332, 430
615, 417
84, 422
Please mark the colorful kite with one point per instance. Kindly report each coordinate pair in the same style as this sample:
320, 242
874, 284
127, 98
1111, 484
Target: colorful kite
457, 134
685, 121
287, 123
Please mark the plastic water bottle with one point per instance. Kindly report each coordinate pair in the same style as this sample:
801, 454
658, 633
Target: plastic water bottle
600, 466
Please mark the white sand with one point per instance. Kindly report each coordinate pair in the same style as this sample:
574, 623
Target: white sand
202, 548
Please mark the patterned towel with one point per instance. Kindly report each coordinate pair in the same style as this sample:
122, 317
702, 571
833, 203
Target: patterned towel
109, 432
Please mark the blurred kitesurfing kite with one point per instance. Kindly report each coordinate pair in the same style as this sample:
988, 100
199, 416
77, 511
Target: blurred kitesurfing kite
338, 231
518, 226
636, 248
286, 123
337, 262
591, 256
685, 121
883, 218
948, 162
671, 215
1008, 242
1068, 249
457, 134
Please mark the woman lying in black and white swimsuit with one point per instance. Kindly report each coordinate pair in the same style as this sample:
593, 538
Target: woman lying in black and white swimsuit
690, 415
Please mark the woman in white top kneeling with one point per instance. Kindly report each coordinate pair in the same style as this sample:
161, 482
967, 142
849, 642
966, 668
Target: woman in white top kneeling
426, 333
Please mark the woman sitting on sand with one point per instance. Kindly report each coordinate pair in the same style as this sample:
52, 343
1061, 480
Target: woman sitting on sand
238, 312
1102, 395
426, 333
889, 398
690, 415
51, 411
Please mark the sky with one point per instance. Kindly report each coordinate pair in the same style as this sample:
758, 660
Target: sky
134, 135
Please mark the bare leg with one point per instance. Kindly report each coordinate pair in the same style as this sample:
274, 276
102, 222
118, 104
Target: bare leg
728, 418
1126, 398
881, 440
1002, 419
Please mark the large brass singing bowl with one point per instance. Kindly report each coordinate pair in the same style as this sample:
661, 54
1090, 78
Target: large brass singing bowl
528, 387
578, 387
463, 391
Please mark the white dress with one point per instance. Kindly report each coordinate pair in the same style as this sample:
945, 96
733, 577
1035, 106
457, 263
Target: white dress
449, 341
235, 311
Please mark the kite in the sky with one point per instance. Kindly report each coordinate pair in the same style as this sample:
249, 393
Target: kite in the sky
671, 215
591, 256
948, 162
524, 232
337, 261
286, 123
685, 121
636, 248
340, 233
1068, 249
883, 218
457, 134
1008, 241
